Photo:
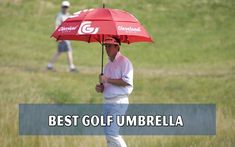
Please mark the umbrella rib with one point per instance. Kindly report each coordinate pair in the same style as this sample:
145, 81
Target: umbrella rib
113, 22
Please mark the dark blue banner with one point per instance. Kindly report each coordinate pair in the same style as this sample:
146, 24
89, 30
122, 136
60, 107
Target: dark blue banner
113, 119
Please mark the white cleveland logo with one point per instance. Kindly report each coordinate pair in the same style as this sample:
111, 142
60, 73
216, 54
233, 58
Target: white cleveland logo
129, 29
85, 28
67, 29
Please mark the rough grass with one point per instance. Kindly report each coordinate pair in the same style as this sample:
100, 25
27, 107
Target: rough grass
191, 61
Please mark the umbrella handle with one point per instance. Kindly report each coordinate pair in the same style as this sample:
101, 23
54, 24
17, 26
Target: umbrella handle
101, 75
102, 85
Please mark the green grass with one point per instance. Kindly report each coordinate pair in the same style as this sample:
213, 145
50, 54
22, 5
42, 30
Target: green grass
192, 60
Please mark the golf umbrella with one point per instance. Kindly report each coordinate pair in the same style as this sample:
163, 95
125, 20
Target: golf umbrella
94, 25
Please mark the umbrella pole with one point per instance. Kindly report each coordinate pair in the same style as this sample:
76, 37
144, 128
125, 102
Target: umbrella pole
102, 56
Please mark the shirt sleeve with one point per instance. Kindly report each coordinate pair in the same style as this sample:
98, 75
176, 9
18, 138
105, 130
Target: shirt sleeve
127, 72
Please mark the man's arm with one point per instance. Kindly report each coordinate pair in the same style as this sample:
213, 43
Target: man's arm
117, 82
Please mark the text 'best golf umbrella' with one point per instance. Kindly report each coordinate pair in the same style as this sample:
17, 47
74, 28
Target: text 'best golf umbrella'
94, 25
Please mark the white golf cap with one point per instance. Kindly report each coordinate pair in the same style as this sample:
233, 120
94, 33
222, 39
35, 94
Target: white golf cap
65, 4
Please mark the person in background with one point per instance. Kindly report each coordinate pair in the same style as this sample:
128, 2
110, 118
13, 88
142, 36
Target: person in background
117, 85
63, 45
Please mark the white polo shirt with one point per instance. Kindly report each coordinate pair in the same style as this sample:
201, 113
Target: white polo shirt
60, 17
119, 68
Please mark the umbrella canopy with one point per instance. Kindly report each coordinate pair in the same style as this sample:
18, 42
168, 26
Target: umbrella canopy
93, 25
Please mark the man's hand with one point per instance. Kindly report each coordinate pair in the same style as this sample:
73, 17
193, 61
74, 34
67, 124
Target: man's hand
103, 79
99, 88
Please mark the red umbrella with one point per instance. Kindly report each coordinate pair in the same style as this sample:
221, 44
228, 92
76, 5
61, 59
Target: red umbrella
93, 25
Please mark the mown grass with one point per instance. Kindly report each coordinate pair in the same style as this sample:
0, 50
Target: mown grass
191, 61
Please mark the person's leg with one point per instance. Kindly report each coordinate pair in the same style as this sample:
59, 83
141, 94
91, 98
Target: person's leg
70, 60
53, 60
112, 133
115, 141
68, 49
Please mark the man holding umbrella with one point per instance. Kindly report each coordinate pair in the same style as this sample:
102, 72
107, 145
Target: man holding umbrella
101, 25
117, 86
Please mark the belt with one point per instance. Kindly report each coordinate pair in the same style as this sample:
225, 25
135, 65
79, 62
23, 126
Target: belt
121, 99
116, 97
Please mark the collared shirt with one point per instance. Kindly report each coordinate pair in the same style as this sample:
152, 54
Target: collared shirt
119, 68
60, 18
